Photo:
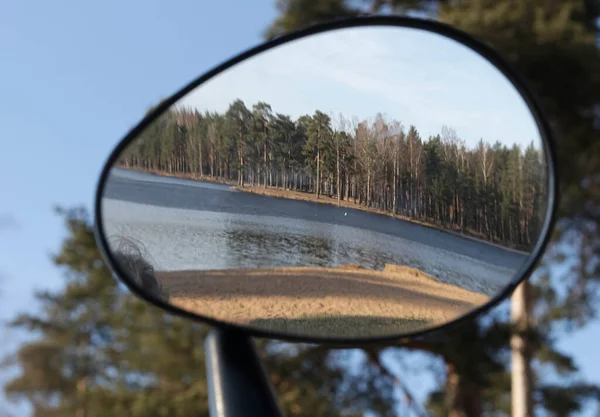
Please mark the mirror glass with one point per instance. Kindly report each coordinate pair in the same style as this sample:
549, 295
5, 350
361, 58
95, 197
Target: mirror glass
363, 182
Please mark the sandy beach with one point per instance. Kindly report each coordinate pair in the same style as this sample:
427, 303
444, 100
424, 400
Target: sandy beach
348, 301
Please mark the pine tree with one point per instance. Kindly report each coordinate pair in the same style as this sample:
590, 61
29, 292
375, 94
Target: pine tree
238, 127
554, 45
100, 352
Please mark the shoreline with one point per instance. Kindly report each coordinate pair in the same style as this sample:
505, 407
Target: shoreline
348, 300
310, 197
191, 177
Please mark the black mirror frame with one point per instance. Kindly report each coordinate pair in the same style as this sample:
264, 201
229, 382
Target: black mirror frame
422, 24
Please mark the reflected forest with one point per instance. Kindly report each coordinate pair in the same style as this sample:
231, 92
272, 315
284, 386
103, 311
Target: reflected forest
490, 191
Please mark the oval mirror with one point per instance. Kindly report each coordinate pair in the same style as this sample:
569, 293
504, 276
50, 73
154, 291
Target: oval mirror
360, 180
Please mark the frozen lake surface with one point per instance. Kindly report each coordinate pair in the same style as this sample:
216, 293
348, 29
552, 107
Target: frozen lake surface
185, 224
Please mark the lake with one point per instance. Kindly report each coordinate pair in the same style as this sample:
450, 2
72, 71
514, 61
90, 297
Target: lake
186, 224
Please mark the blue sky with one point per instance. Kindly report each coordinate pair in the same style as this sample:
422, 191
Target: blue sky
410, 75
75, 77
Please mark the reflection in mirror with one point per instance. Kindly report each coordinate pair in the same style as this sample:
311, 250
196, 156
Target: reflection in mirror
363, 182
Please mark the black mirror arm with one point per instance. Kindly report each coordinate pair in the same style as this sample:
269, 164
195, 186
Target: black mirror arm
238, 385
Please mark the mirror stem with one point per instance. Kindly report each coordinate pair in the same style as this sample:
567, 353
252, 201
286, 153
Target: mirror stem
237, 382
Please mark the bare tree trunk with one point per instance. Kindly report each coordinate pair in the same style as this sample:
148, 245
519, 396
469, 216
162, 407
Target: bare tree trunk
462, 396
395, 191
337, 145
265, 161
283, 178
318, 173
368, 198
83, 383
82, 386
241, 153
347, 189
522, 382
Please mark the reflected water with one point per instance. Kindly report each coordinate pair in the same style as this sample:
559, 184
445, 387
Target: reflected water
268, 253
179, 239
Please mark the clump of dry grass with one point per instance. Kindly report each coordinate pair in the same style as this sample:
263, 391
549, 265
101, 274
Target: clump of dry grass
132, 256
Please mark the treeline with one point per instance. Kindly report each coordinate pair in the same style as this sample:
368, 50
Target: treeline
491, 191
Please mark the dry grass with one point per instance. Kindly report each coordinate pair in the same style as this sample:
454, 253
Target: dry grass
342, 326
347, 301
135, 261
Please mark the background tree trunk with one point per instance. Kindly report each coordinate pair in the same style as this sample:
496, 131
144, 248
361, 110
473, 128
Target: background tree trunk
521, 378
